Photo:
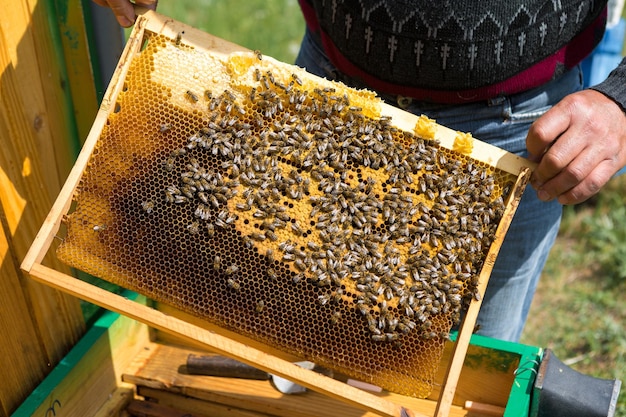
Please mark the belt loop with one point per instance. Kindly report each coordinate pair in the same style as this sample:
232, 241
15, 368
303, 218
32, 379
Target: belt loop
496, 101
404, 102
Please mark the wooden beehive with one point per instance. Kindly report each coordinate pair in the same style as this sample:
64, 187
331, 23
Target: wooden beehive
185, 106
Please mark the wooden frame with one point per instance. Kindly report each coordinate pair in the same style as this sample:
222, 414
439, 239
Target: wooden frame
227, 343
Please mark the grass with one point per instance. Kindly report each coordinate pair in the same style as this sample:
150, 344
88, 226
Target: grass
273, 27
579, 310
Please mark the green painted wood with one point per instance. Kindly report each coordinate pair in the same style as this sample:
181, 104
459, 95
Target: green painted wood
519, 401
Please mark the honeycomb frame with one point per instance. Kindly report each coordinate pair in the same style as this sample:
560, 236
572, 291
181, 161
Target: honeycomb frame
476, 156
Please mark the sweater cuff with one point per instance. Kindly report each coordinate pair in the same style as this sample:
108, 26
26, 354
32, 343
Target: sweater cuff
614, 86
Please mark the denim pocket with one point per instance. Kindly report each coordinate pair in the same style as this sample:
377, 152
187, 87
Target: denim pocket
528, 116
528, 106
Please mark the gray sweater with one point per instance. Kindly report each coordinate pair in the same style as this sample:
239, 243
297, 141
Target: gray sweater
433, 49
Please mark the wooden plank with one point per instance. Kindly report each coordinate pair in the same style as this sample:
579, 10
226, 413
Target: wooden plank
150, 409
39, 85
19, 334
31, 117
195, 406
116, 403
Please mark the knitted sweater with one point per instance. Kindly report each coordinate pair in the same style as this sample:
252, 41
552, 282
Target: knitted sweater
615, 85
455, 51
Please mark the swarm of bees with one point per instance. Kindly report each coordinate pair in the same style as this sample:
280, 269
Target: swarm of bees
289, 214
395, 224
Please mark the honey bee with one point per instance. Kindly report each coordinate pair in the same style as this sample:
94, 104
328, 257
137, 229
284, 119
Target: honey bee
168, 164
147, 206
214, 201
231, 269
247, 242
300, 265
295, 227
296, 79
180, 199
429, 335
271, 273
194, 228
271, 235
259, 214
323, 299
217, 262
191, 96
259, 237
235, 285
258, 54
260, 306
313, 246
287, 246
391, 337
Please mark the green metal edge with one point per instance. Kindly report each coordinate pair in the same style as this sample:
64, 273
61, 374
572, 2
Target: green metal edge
518, 404
69, 362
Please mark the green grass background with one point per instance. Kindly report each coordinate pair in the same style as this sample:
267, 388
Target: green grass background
579, 311
274, 27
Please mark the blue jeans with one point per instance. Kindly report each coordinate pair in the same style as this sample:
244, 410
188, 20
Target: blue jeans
502, 122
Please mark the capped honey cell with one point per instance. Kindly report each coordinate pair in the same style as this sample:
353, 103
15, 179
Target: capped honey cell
287, 209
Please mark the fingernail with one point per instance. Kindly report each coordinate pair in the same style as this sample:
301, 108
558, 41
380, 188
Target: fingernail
543, 195
124, 21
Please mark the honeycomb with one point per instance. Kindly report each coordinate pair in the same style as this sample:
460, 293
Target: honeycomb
285, 208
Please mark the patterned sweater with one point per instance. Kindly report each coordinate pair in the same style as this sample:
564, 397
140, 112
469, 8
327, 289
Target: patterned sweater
455, 51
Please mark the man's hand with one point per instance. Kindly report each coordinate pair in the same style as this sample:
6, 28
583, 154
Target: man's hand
123, 9
579, 144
